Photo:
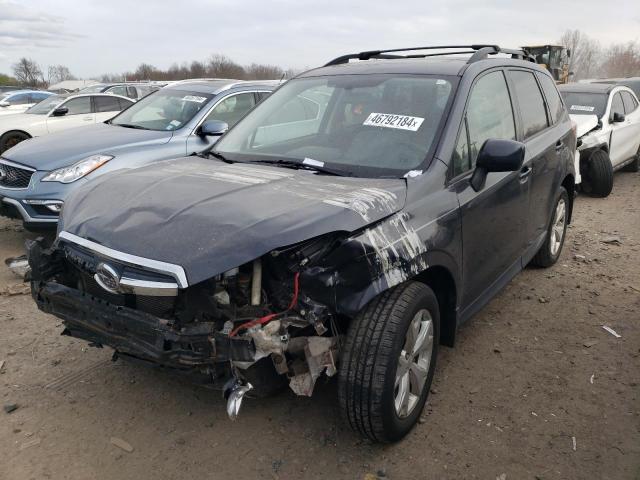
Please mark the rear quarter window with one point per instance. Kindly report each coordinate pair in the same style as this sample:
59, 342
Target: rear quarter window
554, 102
530, 102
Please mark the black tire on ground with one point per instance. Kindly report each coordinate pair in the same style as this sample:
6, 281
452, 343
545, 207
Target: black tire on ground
597, 174
371, 355
552, 247
633, 166
11, 139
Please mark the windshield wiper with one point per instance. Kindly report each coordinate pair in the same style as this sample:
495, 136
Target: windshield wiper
130, 125
217, 155
305, 166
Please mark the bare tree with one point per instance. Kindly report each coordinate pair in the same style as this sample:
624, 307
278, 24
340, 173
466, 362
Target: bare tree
221, 66
585, 54
28, 72
197, 70
59, 73
622, 60
217, 66
263, 72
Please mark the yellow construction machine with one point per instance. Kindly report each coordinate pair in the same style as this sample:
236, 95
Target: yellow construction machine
554, 58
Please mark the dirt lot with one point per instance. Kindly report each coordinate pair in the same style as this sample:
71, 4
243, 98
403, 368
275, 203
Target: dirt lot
535, 389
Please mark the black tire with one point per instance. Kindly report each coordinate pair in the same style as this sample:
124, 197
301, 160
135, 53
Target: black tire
370, 360
11, 139
547, 255
597, 174
633, 166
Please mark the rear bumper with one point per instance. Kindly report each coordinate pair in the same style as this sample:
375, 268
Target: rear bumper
139, 334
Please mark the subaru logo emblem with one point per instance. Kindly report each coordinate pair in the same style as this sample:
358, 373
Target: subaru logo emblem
107, 277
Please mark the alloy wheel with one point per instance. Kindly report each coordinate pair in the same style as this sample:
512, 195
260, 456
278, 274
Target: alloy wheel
558, 227
414, 363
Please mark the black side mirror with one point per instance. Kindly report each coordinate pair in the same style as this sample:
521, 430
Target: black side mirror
618, 117
60, 112
213, 128
497, 156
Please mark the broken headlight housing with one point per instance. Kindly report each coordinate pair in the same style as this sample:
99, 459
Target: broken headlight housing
77, 170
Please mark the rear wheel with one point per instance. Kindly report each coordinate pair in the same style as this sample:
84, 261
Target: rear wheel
552, 247
388, 362
11, 139
597, 174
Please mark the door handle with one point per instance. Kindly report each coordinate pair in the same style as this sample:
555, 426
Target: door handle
87, 119
559, 145
525, 172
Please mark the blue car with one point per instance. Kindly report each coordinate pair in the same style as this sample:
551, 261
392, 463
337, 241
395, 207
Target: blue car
184, 118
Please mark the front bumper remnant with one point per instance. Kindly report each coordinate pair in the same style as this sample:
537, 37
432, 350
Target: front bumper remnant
139, 334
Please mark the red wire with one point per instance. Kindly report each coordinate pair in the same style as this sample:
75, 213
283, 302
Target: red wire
271, 316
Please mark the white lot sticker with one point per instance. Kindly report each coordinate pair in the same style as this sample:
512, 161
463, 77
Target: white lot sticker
582, 108
193, 98
388, 120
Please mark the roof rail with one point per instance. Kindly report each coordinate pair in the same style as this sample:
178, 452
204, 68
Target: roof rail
478, 52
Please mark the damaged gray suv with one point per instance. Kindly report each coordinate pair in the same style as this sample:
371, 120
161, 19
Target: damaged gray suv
346, 226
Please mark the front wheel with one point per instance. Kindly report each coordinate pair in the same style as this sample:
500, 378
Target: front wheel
388, 361
554, 240
597, 175
11, 139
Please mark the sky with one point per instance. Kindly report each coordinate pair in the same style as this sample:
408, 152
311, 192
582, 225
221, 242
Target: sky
93, 37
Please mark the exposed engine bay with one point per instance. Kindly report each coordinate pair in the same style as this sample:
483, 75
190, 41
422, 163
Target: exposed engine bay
251, 328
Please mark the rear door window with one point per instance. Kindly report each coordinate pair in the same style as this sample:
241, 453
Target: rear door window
629, 102
617, 106
124, 103
106, 103
262, 95
118, 90
556, 108
489, 115
38, 97
530, 102
19, 99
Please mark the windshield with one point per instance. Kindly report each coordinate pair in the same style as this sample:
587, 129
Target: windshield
363, 125
163, 110
46, 105
93, 88
541, 54
580, 103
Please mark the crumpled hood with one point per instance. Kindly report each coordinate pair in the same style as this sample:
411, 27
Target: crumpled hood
69, 146
584, 123
209, 216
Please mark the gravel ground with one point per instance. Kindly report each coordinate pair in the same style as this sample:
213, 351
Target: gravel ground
535, 388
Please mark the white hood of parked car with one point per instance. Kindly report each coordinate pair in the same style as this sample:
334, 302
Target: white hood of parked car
585, 123
19, 121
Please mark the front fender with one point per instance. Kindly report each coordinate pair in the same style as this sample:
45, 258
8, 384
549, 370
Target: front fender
379, 258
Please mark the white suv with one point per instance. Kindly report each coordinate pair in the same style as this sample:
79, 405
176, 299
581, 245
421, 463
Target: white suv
608, 125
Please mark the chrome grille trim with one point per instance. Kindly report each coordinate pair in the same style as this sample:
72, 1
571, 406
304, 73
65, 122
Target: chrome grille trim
175, 271
25, 173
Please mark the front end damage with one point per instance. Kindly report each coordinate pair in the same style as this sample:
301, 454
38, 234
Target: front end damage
251, 329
